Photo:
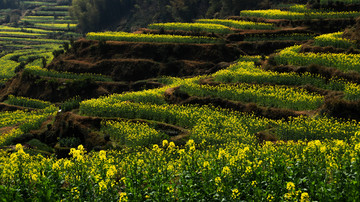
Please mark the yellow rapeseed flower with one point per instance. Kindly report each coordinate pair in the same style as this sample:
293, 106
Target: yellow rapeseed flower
270, 198
111, 172
305, 197
290, 186
165, 143
235, 193
226, 170
102, 155
102, 186
217, 180
75, 192
123, 197
56, 166
18, 147
171, 145
287, 196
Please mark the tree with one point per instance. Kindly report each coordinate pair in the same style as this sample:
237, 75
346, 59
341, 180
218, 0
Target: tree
98, 14
9, 4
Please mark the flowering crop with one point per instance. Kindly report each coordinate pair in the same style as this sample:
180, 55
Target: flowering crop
32, 40
217, 125
17, 29
265, 95
319, 128
56, 26
132, 134
197, 27
342, 61
267, 37
52, 13
124, 36
231, 172
21, 34
222, 161
333, 39
301, 8
279, 14
7, 68
27, 102
25, 121
237, 24
10, 61
247, 72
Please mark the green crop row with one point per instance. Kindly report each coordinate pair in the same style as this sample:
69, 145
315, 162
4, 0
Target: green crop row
23, 121
279, 14
237, 24
334, 39
234, 172
124, 36
132, 134
36, 70
341, 61
29, 30
21, 34
52, 13
194, 27
54, 8
56, 26
15, 39
27, 102
264, 95
10, 61
7, 68
247, 72
266, 37
22, 116
51, 20
39, 3
220, 126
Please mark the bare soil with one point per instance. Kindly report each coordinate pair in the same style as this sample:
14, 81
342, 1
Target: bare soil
133, 61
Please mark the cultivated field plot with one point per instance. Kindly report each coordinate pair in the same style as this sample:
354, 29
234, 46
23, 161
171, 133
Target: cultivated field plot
124, 36
291, 15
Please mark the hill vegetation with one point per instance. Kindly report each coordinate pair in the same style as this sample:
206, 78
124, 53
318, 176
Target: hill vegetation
128, 15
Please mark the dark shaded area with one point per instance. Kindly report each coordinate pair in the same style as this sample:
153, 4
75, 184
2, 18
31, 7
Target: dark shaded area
9, 4
309, 47
69, 125
133, 61
353, 32
7, 107
132, 14
263, 136
326, 93
263, 47
334, 5
57, 90
243, 34
342, 109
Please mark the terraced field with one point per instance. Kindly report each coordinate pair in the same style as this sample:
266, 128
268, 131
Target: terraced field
46, 23
181, 111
